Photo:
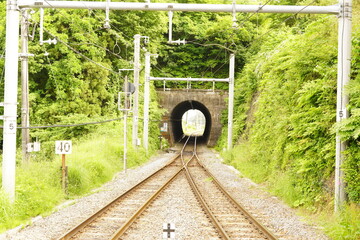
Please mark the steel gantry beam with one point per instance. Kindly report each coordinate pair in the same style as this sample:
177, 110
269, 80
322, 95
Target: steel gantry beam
343, 10
183, 7
189, 79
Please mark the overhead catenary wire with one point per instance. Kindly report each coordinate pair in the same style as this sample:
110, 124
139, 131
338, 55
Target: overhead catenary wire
288, 18
96, 45
81, 54
78, 52
70, 125
80, 124
87, 33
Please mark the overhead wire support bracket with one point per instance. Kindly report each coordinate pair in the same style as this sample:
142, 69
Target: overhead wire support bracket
49, 41
107, 14
178, 42
234, 25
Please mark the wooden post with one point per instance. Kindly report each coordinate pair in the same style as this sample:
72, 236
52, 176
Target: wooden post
64, 173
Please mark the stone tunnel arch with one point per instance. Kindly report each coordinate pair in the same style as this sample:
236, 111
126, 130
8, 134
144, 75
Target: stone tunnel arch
178, 112
211, 102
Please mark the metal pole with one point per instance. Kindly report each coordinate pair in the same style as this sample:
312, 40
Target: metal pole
170, 13
146, 101
24, 85
344, 63
10, 98
189, 79
107, 13
184, 7
41, 26
137, 38
125, 139
231, 99
126, 107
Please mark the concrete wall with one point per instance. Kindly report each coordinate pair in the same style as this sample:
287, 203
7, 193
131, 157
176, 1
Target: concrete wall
215, 102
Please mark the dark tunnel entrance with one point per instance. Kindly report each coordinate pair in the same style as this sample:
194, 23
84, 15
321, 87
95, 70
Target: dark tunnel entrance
176, 117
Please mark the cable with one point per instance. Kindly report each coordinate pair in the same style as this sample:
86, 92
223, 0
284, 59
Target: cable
248, 18
292, 16
213, 44
237, 28
87, 33
203, 72
96, 45
52, 73
222, 65
78, 52
80, 124
69, 125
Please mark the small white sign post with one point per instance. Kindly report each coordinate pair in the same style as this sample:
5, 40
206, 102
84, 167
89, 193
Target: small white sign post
63, 148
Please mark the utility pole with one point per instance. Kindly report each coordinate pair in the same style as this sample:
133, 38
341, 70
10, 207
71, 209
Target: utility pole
126, 108
24, 84
146, 101
344, 63
10, 98
135, 126
231, 99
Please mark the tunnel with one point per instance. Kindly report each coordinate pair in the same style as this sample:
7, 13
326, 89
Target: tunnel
178, 112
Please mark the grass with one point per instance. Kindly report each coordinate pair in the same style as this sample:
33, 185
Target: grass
342, 226
37, 192
95, 159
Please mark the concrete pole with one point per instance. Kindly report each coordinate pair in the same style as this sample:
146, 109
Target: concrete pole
146, 101
231, 100
24, 85
170, 13
344, 63
126, 107
10, 98
137, 38
41, 33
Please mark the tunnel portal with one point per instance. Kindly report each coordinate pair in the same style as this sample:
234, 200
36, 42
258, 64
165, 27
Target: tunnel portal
176, 117
177, 101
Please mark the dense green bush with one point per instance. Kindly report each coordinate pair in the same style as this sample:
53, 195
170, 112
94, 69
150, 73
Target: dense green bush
285, 127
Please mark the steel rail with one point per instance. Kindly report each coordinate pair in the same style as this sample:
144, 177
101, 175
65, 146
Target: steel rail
133, 218
202, 200
183, 150
251, 218
98, 213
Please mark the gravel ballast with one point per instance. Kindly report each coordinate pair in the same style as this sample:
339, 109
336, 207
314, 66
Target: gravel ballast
281, 219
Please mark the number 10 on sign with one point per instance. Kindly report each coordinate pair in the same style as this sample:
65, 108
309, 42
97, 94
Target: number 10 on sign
63, 147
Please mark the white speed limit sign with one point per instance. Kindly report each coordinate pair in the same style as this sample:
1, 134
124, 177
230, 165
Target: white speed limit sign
63, 147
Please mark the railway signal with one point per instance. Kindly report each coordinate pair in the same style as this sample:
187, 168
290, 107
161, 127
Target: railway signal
125, 106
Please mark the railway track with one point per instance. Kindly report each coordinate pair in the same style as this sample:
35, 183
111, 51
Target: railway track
183, 192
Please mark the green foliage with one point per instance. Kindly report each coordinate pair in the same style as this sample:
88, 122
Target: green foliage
95, 159
210, 40
343, 226
37, 192
285, 110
